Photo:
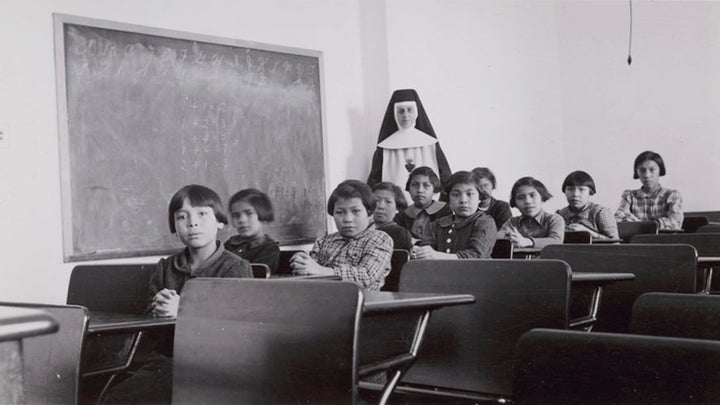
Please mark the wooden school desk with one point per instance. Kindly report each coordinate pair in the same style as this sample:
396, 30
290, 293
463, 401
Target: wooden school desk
110, 288
707, 246
468, 349
15, 325
663, 268
534, 252
51, 363
393, 328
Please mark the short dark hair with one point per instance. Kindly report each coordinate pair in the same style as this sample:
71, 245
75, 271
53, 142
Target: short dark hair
648, 155
425, 171
579, 178
464, 177
259, 200
485, 173
352, 189
197, 196
400, 201
532, 182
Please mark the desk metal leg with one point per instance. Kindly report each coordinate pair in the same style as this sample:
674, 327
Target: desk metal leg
115, 371
707, 280
414, 348
588, 321
398, 359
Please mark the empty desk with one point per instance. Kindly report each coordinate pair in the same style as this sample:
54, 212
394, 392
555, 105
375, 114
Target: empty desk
17, 324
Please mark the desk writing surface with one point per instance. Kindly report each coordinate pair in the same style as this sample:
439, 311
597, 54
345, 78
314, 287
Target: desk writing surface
385, 301
607, 240
17, 323
601, 278
527, 250
670, 231
375, 302
286, 276
709, 260
109, 321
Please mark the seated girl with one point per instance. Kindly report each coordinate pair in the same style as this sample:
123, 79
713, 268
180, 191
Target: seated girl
651, 202
499, 210
422, 184
356, 252
583, 215
467, 233
195, 215
389, 198
534, 227
250, 211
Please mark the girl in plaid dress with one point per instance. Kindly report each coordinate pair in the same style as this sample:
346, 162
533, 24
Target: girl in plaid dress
651, 202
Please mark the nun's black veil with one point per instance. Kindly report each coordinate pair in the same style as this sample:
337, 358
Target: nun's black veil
389, 127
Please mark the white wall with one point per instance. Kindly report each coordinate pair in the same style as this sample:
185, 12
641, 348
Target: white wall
487, 74
543, 88
31, 240
667, 101
524, 87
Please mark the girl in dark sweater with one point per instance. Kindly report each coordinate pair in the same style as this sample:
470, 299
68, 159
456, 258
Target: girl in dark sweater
250, 211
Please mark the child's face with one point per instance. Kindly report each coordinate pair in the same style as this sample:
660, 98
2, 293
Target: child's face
406, 114
421, 191
649, 173
464, 199
528, 200
486, 185
351, 217
385, 208
197, 227
245, 220
577, 196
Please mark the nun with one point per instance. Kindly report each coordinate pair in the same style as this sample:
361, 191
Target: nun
406, 141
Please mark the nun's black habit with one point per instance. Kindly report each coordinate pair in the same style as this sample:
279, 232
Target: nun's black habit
400, 151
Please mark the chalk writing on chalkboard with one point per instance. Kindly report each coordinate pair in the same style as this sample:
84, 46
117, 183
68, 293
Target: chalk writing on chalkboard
145, 111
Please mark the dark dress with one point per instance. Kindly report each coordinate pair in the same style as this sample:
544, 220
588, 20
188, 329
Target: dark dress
262, 249
418, 221
499, 210
151, 383
468, 238
401, 237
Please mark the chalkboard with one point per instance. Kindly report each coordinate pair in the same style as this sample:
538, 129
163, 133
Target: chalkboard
144, 111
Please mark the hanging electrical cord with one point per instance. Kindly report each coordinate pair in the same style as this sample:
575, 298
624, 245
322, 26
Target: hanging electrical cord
629, 59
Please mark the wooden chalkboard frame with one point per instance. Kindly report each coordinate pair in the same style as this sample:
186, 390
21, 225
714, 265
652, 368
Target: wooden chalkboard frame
71, 252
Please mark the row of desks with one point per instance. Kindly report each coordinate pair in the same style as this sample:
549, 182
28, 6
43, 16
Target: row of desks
376, 302
378, 307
